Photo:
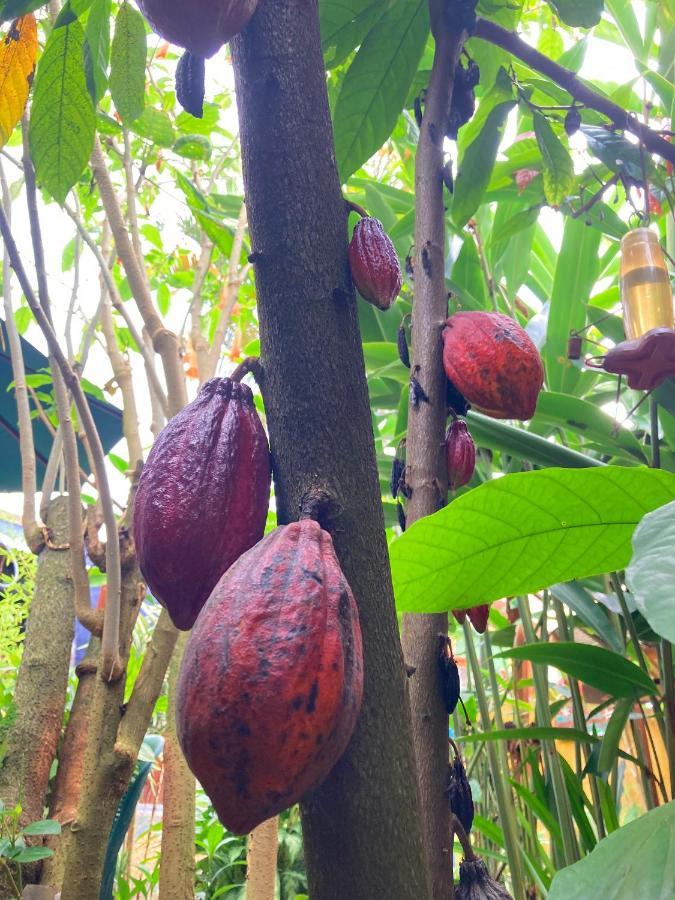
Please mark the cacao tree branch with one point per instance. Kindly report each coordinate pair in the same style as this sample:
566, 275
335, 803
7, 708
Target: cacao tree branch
426, 467
361, 825
164, 342
31, 530
132, 216
578, 89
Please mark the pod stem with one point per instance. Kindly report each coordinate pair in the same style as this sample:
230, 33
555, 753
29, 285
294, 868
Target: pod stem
251, 365
464, 838
354, 207
321, 506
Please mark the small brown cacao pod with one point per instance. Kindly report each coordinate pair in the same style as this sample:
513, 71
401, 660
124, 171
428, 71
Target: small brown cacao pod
190, 73
202, 497
460, 615
449, 675
459, 794
493, 362
272, 677
460, 454
475, 882
374, 264
201, 26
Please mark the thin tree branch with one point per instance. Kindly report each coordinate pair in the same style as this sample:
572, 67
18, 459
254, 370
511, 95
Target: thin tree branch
569, 81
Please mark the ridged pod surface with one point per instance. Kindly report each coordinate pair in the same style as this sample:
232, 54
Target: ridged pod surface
272, 678
460, 454
201, 26
374, 264
475, 882
202, 497
494, 364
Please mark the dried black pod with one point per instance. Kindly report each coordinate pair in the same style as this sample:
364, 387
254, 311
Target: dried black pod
190, 74
449, 674
475, 882
400, 513
397, 468
455, 401
463, 101
402, 344
459, 794
572, 121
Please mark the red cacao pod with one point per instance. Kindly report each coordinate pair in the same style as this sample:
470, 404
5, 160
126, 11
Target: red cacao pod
479, 616
272, 677
460, 615
202, 26
460, 454
202, 497
374, 264
493, 362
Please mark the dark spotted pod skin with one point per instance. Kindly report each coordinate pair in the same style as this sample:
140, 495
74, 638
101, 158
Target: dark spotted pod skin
271, 682
374, 264
201, 26
202, 497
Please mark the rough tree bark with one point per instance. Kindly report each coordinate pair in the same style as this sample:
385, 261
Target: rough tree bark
426, 472
361, 826
42, 681
261, 860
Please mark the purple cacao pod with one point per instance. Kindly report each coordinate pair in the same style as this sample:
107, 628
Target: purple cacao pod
202, 497
374, 264
460, 454
202, 26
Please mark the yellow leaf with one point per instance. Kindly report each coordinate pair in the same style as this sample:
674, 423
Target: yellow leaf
17, 65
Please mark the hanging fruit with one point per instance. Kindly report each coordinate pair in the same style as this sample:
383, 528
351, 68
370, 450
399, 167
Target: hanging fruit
203, 26
272, 677
478, 616
376, 271
202, 497
459, 793
493, 363
460, 454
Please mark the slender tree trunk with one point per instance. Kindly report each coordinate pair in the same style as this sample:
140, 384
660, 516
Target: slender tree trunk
177, 865
361, 826
426, 472
42, 681
261, 861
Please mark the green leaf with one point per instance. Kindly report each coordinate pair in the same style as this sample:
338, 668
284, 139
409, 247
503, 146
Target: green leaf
32, 854
558, 168
62, 120
127, 63
479, 153
617, 153
193, 146
46, 826
609, 748
578, 13
651, 573
376, 84
589, 611
602, 669
97, 48
523, 532
636, 860
575, 274
344, 25
529, 734
154, 125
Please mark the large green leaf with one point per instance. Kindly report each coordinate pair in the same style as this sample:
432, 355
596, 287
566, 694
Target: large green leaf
376, 84
637, 860
602, 669
539, 733
97, 48
345, 23
576, 272
558, 168
62, 120
127, 63
651, 573
523, 532
579, 13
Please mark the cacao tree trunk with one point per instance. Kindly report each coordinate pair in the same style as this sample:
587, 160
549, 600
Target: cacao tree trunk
261, 861
361, 826
42, 681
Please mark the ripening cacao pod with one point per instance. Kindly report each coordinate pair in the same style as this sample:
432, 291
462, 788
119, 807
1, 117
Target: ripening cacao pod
460, 615
202, 497
272, 677
374, 264
460, 454
459, 794
201, 26
478, 616
493, 362
475, 882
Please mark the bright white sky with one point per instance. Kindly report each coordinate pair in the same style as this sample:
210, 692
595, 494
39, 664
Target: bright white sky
603, 61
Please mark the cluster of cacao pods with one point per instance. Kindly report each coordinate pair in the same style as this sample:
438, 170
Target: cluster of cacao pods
271, 681
373, 262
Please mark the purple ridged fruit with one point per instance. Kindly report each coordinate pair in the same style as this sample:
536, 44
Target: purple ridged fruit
201, 26
460, 454
271, 682
202, 497
374, 264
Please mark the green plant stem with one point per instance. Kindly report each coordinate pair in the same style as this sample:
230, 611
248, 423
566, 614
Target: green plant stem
570, 848
17, 892
654, 429
669, 696
580, 719
499, 776
628, 619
